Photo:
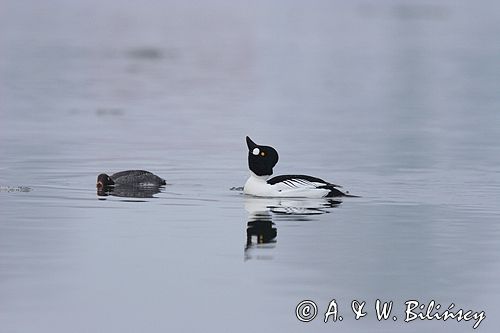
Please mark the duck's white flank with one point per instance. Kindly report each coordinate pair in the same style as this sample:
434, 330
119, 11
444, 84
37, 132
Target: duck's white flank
292, 188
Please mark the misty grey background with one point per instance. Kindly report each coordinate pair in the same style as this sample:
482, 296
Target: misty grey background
396, 100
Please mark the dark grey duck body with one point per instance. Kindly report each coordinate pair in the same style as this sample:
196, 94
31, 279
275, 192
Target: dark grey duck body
130, 178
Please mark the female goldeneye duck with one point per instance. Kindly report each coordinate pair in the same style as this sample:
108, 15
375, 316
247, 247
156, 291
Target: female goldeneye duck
261, 161
129, 178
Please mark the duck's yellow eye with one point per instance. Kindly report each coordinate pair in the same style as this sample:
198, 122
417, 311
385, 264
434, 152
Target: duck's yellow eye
262, 153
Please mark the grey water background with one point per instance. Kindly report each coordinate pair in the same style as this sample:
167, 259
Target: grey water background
396, 100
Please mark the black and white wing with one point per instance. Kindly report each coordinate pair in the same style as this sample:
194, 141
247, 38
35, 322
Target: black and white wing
305, 184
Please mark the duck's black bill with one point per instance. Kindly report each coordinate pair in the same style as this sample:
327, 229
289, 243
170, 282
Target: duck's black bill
250, 144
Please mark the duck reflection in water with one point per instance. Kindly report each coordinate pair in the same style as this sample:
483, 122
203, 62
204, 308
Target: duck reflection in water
126, 191
261, 230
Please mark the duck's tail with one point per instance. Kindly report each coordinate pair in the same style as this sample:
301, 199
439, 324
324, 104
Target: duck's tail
335, 192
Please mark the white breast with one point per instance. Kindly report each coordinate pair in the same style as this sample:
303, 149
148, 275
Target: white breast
258, 187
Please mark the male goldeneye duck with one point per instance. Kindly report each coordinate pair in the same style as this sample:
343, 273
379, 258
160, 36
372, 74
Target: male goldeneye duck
129, 178
261, 161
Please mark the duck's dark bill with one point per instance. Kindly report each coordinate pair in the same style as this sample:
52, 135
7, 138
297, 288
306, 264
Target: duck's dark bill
250, 144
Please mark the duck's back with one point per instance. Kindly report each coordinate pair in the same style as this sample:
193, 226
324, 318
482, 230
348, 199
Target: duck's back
137, 177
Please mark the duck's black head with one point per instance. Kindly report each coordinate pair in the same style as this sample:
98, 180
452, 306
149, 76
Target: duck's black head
261, 159
103, 180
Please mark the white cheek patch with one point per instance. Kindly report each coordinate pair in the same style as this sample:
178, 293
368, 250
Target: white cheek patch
256, 151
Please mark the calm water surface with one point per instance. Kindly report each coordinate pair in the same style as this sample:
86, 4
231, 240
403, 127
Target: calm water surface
397, 101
